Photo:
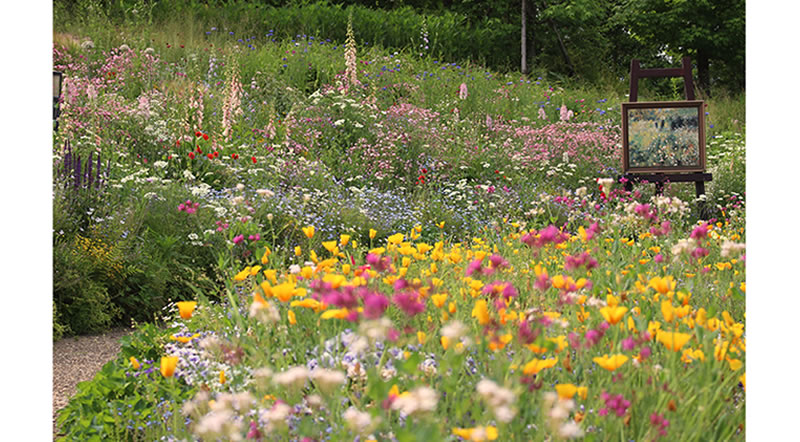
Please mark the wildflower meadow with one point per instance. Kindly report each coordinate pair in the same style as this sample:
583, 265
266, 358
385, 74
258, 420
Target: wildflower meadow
320, 239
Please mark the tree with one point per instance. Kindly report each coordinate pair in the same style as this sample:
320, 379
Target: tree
710, 31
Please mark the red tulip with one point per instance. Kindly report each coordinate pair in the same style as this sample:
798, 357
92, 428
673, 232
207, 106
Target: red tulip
254, 160
191, 155
205, 137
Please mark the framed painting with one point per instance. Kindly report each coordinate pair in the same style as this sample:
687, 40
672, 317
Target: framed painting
663, 136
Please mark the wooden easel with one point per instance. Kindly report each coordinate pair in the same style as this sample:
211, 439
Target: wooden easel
659, 179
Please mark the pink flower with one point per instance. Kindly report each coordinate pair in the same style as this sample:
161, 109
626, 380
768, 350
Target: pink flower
374, 304
237, 239
542, 114
628, 343
474, 266
699, 252
377, 263
409, 303
700, 231
462, 91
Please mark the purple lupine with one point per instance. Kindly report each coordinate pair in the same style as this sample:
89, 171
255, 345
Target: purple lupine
89, 177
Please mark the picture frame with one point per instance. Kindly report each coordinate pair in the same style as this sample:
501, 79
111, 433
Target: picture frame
663, 136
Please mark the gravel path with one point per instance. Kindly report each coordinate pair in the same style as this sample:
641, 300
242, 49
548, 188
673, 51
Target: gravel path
77, 359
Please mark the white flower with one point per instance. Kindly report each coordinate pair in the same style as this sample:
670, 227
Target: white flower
240, 187
375, 329
294, 377
188, 175
327, 380
264, 312
606, 183
420, 400
730, 248
265, 193
454, 330
160, 164
219, 424
276, 416
87, 45
570, 430
358, 421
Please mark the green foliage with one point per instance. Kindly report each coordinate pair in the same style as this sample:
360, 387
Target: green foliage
105, 407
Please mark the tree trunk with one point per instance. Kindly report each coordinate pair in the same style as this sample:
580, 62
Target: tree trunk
524, 55
703, 77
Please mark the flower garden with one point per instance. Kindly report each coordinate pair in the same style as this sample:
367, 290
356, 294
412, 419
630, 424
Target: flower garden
321, 240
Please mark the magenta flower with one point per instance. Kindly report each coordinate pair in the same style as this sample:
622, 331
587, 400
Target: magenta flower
374, 304
498, 261
628, 343
699, 252
409, 303
237, 239
616, 403
253, 433
474, 266
378, 263
700, 231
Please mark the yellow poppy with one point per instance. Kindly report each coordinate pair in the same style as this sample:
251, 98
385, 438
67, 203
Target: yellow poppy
537, 365
611, 363
344, 239
285, 291
222, 376
186, 308
292, 318
668, 310
481, 311
308, 303
566, 391
135, 363
168, 365
309, 231
372, 233
735, 364
439, 299
613, 315
673, 340
184, 339
340, 313
331, 247
477, 433
241, 276
662, 285
265, 256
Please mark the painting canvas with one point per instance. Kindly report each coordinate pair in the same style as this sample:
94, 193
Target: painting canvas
663, 136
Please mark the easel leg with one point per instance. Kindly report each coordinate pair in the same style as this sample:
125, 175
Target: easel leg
700, 189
